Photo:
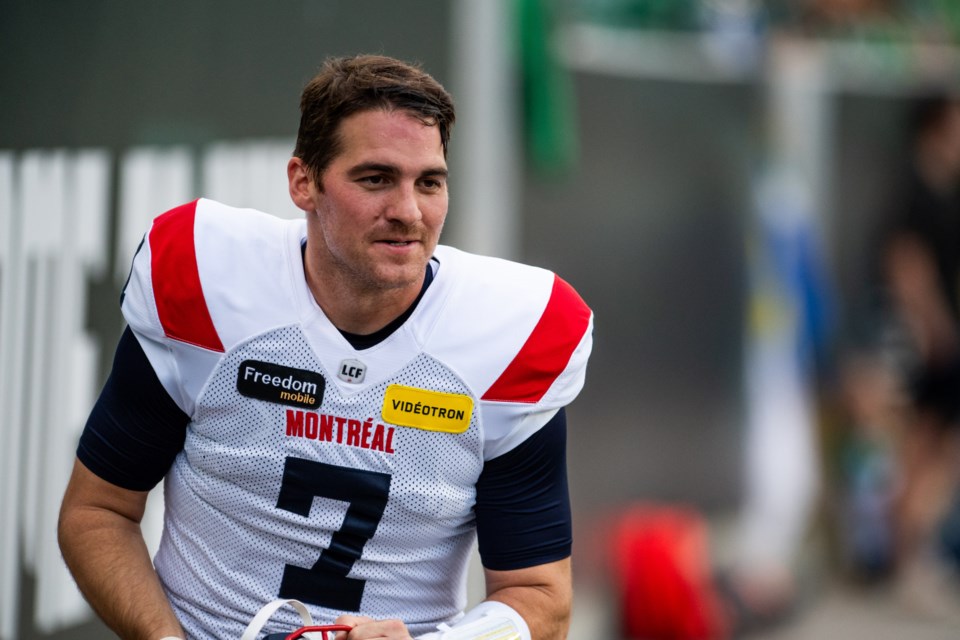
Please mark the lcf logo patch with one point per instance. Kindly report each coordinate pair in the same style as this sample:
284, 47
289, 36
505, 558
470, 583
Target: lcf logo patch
280, 384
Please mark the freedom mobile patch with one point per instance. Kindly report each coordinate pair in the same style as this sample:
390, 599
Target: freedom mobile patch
280, 384
428, 410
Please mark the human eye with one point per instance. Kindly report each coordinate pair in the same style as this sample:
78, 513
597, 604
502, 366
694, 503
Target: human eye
373, 180
432, 183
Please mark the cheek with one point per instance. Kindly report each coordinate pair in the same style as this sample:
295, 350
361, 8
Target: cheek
339, 225
344, 217
436, 212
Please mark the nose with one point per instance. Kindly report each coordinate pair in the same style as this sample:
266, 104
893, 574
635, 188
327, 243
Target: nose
405, 205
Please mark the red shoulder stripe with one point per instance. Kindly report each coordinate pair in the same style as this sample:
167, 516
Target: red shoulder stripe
176, 280
547, 350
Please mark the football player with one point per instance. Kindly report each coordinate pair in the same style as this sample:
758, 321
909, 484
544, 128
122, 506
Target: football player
339, 405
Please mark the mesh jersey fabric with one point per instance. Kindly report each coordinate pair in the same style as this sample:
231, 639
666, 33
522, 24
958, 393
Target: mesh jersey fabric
333, 504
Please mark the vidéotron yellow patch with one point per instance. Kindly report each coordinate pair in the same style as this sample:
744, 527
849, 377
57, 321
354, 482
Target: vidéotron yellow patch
428, 410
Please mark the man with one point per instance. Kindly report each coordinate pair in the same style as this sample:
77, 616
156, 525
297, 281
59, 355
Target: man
920, 264
338, 405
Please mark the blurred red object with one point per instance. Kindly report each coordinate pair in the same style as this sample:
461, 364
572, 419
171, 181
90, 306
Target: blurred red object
662, 568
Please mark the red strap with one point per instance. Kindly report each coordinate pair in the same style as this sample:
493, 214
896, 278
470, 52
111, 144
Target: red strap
323, 629
547, 350
176, 280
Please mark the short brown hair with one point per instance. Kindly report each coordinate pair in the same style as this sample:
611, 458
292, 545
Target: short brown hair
348, 85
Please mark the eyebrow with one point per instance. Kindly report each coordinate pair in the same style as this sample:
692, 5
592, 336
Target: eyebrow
365, 167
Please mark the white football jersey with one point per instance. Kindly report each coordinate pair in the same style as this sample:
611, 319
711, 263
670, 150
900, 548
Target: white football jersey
311, 470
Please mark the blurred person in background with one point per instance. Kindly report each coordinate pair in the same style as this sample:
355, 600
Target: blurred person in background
899, 458
920, 272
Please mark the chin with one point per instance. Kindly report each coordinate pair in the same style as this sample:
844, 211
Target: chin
393, 278
401, 272
401, 282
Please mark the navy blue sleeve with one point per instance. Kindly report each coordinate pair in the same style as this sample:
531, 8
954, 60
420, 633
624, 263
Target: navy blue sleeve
523, 504
135, 429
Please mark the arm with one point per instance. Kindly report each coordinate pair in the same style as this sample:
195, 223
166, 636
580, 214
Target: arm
524, 529
913, 279
131, 437
100, 538
542, 595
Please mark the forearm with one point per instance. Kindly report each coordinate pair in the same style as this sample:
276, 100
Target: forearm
109, 560
927, 317
916, 293
544, 598
102, 545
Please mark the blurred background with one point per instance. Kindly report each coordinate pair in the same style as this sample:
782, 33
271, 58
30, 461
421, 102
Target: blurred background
717, 179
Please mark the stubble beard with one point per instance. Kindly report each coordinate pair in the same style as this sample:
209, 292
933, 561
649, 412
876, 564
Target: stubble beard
365, 274
373, 277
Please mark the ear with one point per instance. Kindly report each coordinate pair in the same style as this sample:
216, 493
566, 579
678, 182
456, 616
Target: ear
300, 184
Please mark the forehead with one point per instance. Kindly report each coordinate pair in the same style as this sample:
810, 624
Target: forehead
389, 135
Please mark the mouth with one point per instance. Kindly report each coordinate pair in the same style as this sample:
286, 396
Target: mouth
397, 243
